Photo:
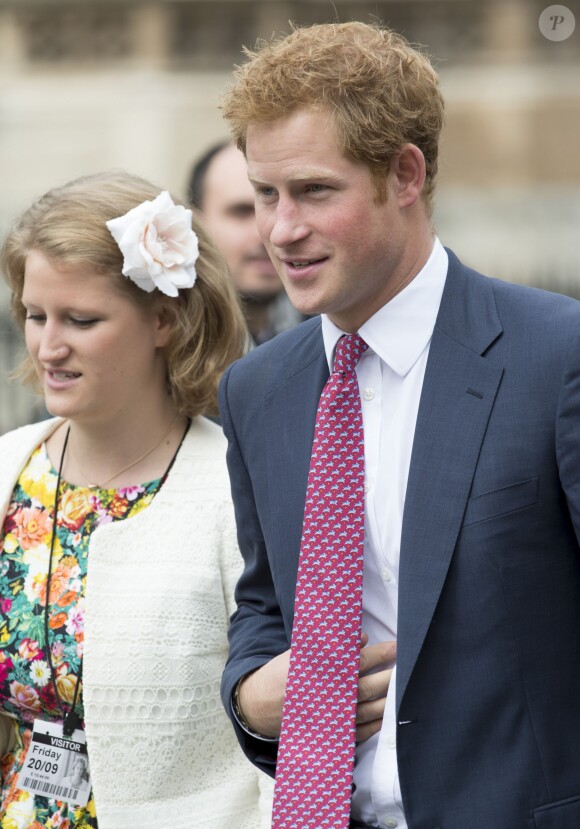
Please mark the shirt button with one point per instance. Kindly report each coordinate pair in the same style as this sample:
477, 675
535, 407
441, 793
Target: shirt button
386, 575
391, 822
392, 743
367, 487
368, 394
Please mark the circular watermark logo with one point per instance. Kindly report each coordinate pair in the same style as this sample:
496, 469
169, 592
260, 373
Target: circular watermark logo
557, 22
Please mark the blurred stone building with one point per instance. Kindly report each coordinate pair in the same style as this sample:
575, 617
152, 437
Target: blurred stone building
92, 84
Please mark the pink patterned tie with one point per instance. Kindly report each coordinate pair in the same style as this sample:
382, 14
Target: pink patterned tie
316, 751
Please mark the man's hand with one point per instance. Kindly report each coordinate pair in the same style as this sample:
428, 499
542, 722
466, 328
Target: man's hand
261, 694
373, 687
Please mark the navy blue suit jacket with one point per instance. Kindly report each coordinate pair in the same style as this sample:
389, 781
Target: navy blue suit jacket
488, 654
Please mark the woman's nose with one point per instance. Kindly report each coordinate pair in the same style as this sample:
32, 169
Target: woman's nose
52, 347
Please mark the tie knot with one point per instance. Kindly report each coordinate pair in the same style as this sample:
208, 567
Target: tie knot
348, 351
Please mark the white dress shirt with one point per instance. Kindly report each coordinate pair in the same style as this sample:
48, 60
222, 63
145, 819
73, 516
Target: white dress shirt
390, 376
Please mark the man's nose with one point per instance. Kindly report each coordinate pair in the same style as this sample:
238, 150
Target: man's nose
289, 225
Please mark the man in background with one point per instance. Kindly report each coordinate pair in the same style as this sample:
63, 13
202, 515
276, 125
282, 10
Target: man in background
219, 189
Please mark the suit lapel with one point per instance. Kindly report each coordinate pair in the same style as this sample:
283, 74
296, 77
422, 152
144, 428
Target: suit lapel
456, 401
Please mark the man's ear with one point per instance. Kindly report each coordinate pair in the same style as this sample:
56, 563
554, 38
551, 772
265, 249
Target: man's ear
408, 170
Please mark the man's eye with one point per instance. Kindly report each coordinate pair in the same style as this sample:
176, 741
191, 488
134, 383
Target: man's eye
242, 211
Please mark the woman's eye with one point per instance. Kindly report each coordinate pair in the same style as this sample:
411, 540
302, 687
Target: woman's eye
83, 323
78, 321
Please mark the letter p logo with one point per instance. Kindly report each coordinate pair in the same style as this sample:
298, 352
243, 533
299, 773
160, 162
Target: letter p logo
557, 23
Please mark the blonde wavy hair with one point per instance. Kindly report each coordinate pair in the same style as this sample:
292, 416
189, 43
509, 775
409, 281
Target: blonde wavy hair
67, 225
380, 91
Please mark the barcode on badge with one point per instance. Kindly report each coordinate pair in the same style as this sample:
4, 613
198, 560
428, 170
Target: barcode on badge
50, 788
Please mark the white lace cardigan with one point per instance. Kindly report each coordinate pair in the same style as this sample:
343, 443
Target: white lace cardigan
162, 752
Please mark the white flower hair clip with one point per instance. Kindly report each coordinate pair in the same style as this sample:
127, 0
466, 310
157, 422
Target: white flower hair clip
158, 244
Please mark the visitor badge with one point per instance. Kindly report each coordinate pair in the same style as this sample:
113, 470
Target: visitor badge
56, 766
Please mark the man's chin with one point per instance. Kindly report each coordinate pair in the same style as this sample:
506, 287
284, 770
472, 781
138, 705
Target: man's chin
260, 297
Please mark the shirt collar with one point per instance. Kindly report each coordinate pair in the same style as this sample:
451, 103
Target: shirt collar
400, 331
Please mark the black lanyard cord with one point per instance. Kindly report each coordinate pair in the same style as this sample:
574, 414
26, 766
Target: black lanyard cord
70, 719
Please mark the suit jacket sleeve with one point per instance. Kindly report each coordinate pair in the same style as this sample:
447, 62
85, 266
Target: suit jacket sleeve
257, 631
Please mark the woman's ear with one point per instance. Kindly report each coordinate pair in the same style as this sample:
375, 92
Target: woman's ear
164, 321
408, 168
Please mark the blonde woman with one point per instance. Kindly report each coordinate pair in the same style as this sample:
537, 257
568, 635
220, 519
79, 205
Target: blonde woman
118, 553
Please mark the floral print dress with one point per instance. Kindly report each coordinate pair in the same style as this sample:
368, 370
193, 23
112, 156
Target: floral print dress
26, 689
